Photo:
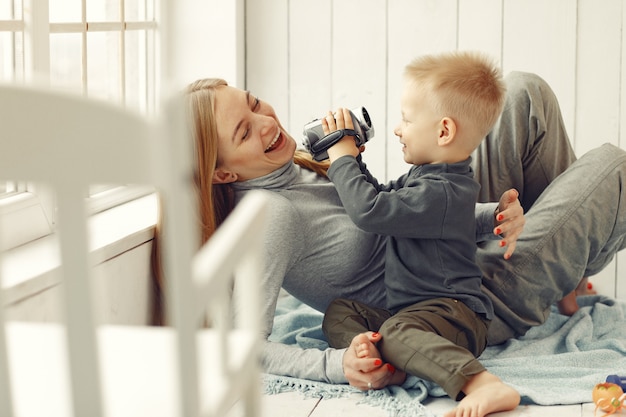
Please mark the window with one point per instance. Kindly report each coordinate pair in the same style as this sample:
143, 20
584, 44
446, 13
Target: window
106, 49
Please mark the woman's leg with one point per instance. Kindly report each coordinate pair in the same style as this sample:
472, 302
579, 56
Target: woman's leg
573, 230
528, 146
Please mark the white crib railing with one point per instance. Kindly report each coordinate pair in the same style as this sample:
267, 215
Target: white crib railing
79, 369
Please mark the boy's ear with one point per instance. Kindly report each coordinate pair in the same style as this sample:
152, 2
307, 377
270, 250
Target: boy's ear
223, 176
447, 131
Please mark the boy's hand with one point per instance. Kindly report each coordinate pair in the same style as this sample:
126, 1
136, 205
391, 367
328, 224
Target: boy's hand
346, 145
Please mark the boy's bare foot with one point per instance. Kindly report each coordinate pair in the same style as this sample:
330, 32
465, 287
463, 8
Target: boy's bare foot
485, 393
366, 348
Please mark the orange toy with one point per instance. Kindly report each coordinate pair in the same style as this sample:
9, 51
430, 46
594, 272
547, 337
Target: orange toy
608, 397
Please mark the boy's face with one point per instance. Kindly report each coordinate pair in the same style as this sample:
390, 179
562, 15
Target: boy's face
420, 126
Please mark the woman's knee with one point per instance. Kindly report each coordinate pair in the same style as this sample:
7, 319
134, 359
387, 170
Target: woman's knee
526, 83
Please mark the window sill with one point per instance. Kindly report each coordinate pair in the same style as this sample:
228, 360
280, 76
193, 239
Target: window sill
34, 267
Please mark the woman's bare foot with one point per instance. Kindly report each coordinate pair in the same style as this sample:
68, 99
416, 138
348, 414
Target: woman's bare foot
585, 287
485, 393
568, 305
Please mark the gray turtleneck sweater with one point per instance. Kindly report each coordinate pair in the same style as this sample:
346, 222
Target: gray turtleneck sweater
315, 252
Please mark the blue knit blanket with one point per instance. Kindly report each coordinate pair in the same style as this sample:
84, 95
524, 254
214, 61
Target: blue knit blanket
558, 362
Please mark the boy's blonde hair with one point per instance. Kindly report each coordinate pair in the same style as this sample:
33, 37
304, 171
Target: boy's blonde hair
465, 86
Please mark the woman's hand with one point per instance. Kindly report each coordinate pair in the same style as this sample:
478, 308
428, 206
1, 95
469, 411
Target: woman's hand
509, 221
363, 366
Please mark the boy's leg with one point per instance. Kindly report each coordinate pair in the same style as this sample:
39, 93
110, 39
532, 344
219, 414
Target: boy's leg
573, 230
485, 394
437, 340
528, 147
344, 319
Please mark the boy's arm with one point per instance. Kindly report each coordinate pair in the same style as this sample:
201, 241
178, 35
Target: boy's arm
347, 146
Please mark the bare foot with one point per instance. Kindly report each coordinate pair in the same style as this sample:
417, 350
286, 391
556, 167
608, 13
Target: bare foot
568, 305
485, 393
365, 347
585, 287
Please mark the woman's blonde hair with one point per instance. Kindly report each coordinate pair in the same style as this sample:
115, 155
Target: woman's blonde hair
215, 201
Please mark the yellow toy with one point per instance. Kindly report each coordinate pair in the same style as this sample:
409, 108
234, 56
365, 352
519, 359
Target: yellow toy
608, 397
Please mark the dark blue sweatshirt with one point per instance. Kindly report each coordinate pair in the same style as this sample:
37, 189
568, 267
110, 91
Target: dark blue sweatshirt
428, 216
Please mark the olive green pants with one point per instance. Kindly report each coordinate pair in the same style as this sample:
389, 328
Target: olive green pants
437, 340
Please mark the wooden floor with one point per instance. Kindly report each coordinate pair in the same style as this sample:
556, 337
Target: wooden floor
294, 404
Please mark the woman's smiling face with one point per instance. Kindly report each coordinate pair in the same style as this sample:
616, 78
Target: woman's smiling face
251, 141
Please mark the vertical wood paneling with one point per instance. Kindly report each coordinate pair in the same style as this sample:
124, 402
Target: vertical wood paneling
416, 27
310, 62
598, 90
267, 51
211, 56
620, 281
480, 26
622, 80
598, 72
540, 36
359, 71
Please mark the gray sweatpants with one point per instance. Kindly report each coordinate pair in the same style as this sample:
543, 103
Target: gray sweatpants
576, 217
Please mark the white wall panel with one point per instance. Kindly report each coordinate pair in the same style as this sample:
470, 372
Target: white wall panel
620, 281
310, 63
415, 28
267, 53
598, 74
359, 70
540, 36
598, 90
215, 49
480, 27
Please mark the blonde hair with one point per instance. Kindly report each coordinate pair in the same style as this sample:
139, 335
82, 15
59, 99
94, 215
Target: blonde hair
215, 201
466, 86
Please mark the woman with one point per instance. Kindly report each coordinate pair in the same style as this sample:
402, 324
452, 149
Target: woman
575, 223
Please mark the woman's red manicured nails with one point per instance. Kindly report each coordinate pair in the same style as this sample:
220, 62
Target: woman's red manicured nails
375, 334
378, 362
502, 243
391, 368
500, 217
498, 231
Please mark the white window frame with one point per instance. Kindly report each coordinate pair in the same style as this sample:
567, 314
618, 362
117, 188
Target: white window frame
29, 212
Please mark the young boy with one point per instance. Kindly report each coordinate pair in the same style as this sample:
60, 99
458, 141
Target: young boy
436, 321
